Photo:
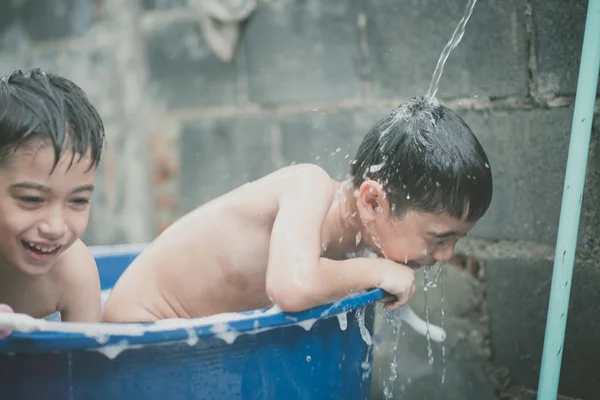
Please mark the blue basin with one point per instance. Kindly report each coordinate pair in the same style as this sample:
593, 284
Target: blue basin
275, 355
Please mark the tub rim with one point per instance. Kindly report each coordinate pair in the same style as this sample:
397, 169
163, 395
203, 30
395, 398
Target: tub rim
250, 322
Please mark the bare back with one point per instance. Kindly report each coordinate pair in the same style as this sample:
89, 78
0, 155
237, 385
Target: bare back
212, 260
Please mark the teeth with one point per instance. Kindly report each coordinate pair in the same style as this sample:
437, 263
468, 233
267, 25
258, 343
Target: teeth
43, 249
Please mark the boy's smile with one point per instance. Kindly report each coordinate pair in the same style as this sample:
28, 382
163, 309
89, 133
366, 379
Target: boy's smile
43, 208
40, 252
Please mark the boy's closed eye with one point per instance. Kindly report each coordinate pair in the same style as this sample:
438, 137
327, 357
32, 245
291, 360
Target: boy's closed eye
442, 239
80, 201
31, 199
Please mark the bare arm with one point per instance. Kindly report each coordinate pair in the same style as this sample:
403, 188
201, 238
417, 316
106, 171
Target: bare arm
297, 276
80, 286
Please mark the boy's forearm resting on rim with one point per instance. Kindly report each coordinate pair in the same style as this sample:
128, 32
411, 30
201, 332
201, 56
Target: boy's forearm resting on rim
320, 284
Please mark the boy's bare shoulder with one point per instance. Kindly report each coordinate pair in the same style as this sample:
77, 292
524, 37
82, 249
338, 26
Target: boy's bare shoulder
305, 173
76, 266
78, 284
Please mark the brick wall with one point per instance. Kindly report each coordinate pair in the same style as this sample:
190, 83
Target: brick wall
308, 80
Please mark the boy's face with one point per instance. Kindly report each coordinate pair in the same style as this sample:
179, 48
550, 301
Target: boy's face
42, 211
417, 238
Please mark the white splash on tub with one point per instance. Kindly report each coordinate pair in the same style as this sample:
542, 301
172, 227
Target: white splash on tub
192, 337
111, 351
222, 332
307, 324
343, 320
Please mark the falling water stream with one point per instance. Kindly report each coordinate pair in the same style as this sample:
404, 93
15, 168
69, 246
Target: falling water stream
427, 283
430, 284
452, 43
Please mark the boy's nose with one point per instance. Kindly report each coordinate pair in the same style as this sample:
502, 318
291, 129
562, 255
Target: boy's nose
444, 254
53, 227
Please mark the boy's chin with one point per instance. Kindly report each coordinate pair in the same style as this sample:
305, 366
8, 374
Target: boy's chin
33, 270
415, 265
418, 265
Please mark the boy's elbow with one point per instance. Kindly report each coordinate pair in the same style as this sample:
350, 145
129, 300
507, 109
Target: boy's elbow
290, 297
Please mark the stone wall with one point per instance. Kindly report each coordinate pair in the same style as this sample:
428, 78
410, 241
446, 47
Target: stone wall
309, 78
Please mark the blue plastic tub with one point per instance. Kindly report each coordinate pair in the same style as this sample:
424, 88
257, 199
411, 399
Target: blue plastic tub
274, 356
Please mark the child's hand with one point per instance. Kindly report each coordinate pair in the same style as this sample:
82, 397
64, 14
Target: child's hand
6, 309
398, 280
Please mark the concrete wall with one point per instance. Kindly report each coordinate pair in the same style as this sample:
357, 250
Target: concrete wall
309, 78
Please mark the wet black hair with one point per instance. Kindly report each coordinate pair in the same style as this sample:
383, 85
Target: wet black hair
427, 159
36, 104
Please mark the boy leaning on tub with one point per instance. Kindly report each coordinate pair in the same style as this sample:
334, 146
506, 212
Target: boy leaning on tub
294, 238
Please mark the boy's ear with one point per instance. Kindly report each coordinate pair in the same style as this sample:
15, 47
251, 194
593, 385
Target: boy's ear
371, 200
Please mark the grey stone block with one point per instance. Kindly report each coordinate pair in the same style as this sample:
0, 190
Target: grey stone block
303, 51
94, 70
11, 30
406, 40
559, 28
57, 19
220, 155
528, 155
328, 140
184, 73
163, 4
10, 62
90, 69
517, 296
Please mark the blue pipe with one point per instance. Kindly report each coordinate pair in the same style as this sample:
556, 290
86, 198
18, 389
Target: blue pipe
570, 211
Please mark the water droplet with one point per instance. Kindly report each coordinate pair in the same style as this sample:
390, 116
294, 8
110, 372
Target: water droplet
375, 168
358, 238
487, 165
364, 332
308, 358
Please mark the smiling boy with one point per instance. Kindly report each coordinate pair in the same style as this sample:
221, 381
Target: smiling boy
419, 182
51, 140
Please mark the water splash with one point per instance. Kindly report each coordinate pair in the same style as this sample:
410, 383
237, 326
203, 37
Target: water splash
378, 244
426, 284
395, 322
433, 283
366, 336
364, 332
443, 379
452, 43
429, 284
